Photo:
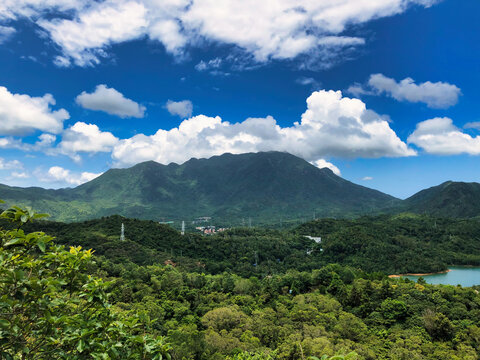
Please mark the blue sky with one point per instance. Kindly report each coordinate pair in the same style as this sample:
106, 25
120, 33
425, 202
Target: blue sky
382, 91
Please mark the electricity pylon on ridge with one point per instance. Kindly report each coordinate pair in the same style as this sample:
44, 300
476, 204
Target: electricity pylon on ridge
122, 233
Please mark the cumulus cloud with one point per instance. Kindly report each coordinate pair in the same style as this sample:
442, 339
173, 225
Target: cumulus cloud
332, 126
322, 163
367, 178
440, 136
87, 138
44, 143
5, 33
12, 164
22, 114
439, 95
110, 101
182, 108
270, 29
45, 140
11, 143
77, 139
19, 175
57, 174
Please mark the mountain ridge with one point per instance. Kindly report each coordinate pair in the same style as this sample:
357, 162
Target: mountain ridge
449, 199
268, 186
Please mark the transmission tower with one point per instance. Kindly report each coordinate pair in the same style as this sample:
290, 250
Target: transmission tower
122, 233
183, 227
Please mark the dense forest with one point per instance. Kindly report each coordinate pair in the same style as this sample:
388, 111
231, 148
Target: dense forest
396, 244
124, 302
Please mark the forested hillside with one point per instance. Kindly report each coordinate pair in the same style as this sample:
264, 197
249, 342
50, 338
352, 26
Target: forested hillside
450, 199
396, 244
167, 312
268, 186
403, 243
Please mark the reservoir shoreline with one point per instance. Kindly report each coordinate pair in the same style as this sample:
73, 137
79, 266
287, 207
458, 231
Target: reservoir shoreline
464, 275
419, 274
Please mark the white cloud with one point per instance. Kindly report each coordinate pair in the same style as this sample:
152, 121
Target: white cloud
11, 143
19, 175
85, 38
439, 95
168, 32
209, 65
45, 140
441, 137
82, 137
472, 125
62, 62
367, 178
182, 108
5, 33
269, 29
23, 114
308, 81
332, 126
57, 174
44, 143
12, 164
13, 9
322, 163
358, 90
111, 101
340, 41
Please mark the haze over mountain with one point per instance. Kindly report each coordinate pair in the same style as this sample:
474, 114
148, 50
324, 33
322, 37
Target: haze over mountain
267, 186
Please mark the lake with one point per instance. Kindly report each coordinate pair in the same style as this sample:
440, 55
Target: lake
465, 276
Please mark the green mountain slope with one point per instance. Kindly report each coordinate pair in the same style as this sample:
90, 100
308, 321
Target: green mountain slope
394, 244
265, 186
450, 199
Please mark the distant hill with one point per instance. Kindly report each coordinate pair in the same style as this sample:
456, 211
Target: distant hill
265, 186
450, 199
390, 243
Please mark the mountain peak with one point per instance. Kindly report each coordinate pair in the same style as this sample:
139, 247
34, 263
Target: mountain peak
449, 199
264, 185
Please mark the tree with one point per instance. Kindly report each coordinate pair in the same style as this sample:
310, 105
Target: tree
437, 325
51, 308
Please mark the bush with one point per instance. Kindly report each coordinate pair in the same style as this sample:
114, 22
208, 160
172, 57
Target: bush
50, 308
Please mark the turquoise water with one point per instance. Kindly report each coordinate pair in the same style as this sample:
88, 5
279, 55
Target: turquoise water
465, 276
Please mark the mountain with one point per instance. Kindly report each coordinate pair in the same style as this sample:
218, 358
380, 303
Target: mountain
450, 199
266, 186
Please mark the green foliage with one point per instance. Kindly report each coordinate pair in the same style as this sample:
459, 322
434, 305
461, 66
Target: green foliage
350, 356
397, 244
393, 310
50, 308
252, 356
297, 308
390, 244
438, 325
